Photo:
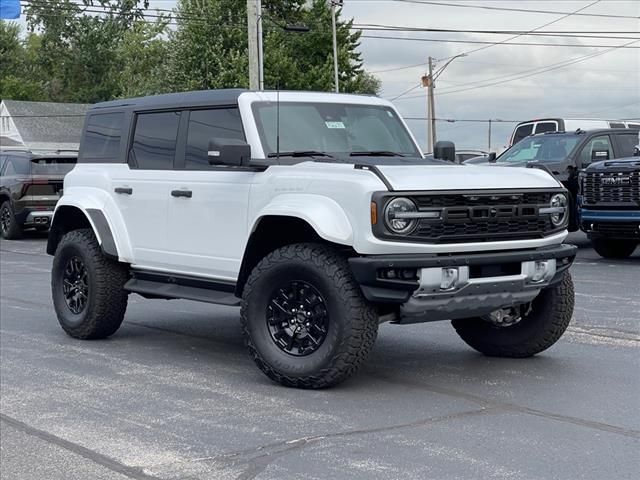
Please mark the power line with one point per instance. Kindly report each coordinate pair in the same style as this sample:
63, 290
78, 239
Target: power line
614, 35
479, 42
406, 91
511, 9
529, 32
530, 73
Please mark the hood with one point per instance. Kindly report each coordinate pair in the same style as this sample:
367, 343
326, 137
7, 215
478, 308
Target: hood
459, 177
630, 163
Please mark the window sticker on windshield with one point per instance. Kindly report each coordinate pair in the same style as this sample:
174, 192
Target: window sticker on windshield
334, 124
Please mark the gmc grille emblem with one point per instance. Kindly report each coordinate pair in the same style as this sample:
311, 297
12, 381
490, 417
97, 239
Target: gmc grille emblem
615, 181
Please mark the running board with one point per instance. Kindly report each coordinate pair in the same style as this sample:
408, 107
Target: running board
154, 285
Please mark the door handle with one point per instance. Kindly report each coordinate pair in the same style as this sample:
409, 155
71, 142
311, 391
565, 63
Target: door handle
124, 190
182, 193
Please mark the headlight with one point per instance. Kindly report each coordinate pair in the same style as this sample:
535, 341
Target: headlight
398, 215
558, 209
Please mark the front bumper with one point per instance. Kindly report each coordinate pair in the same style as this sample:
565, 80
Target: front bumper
615, 224
484, 281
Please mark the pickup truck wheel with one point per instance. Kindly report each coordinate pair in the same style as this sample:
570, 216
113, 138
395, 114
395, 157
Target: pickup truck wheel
9, 227
613, 248
87, 288
304, 319
539, 326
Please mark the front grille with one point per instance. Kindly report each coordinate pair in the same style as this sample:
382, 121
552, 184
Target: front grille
614, 229
481, 217
611, 188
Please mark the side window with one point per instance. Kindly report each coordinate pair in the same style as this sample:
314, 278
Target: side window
205, 124
102, 136
596, 144
17, 165
522, 131
154, 140
627, 144
546, 127
616, 125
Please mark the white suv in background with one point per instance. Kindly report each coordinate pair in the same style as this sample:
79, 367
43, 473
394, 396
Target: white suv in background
318, 215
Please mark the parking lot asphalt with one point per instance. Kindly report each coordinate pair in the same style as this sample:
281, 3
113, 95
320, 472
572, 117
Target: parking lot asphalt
173, 395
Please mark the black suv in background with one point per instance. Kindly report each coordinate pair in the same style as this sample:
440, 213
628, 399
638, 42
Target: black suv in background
564, 154
30, 186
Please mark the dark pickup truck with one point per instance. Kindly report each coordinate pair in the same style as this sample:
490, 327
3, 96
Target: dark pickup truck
610, 206
30, 186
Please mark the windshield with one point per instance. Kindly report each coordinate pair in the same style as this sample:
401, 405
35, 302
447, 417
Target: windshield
52, 166
545, 148
333, 129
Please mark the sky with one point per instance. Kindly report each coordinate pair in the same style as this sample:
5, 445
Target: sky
605, 86
526, 81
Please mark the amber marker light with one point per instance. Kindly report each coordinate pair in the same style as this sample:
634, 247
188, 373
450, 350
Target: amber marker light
374, 213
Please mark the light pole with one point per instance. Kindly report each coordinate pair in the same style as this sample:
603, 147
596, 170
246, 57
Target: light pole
335, 3
256, 48
429, 82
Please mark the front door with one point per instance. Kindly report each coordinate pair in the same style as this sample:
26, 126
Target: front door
207, 203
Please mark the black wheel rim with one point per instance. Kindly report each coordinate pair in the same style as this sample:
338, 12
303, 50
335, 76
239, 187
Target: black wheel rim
75, 285
297, 318
5, 219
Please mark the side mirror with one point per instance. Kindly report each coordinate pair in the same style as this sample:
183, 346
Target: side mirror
444, 150
228, 151
598, 155
492, 157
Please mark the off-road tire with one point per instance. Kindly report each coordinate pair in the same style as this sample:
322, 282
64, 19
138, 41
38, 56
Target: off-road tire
545, 323
613, 248
353, 322
106, 300
14, 230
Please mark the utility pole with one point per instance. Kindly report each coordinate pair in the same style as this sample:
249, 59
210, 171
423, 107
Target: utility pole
252, 30
429, 82
335, 43
425, 83
432, 108
489, 147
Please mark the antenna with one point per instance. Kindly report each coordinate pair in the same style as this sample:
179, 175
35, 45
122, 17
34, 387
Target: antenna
278, 121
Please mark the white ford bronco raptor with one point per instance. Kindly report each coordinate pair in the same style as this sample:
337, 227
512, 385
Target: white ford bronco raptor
318, 215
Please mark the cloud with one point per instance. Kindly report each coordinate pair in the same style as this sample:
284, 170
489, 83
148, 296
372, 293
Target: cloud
606, 86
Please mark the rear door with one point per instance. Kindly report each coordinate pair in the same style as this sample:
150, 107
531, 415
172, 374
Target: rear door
208, 203
142, 191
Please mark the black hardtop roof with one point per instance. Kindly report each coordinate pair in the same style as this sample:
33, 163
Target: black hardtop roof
227, 96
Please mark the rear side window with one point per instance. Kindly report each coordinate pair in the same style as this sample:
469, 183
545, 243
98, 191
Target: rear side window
522, 131
616, 125
627, 144
546, 127
16, 165
102, 136
224, 123
154, 140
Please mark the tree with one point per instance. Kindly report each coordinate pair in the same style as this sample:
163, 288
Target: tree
18, 78
209, 47
81, 52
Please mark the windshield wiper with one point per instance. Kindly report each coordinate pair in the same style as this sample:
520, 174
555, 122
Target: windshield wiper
299, 153
376, 153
